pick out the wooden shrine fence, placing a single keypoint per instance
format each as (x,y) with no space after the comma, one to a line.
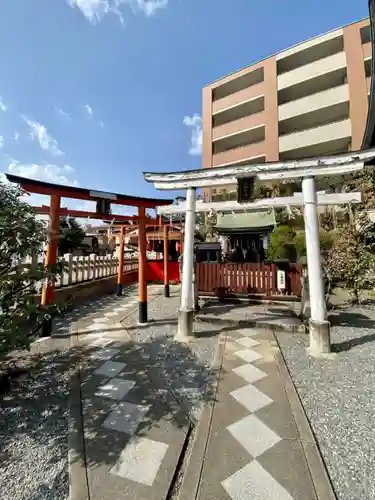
(246,279)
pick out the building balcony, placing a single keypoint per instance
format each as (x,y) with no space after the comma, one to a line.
(242,97)
(317,109)
(241,80)
(243,138)
(310,51)
(238,126)
(366,48)
(326,139)
(312,78)
(252,153)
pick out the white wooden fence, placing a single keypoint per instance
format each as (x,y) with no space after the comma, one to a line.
(78,269)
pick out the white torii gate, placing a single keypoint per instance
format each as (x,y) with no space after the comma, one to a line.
(306,169)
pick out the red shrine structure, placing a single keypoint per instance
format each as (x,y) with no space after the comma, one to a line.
(104,202)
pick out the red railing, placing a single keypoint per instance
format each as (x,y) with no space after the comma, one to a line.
(249,278)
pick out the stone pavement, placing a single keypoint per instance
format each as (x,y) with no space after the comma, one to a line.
(211,419)
(277,315)
(253,448)
(140,394)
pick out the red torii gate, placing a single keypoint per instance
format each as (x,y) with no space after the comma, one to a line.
(103,201)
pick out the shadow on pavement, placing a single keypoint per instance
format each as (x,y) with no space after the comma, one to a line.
(351,319)
(169,379)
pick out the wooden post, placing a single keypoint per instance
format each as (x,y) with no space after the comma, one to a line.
(51,258)
(120,271)
(166,252)
(142,283)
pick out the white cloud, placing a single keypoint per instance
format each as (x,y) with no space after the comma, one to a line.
(195,125)
(44,172)
(3,108)
(101,124)
(16,136)
(48,173)
(88,110)
(148,7)
(62,113)
(1,141)
(95,10)
(39,132)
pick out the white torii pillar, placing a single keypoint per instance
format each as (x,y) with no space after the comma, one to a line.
(319,330)
(186,311)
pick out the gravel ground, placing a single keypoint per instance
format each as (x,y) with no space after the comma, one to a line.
(34,431)
(339,398)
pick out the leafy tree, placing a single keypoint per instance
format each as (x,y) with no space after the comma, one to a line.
(363,181)
(351,262)
(71,235)
(282,244)
(21,236)
(325,238)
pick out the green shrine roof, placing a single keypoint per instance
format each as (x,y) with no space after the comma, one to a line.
(246,222)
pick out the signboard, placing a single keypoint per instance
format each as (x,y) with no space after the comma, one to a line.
(103,207)
(281,280)
(245,188)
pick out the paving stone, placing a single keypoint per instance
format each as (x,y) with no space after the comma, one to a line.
(126,417)
(249,372)
(110,369)
(253,435)
(140,460)
(251,398)
(252,482)
(248,355)
(115,388)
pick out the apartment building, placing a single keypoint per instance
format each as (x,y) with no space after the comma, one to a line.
(308,100)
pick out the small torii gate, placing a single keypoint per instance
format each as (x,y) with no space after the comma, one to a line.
(244,176)
(103,201)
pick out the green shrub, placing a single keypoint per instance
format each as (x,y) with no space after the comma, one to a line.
(286,243)
(282,244)
(326,241)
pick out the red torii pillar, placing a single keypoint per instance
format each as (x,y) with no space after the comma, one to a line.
(120,273)
(48,291)
(142,283)
(166,255)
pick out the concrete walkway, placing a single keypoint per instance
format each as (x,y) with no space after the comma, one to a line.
(253,448)
(217,418)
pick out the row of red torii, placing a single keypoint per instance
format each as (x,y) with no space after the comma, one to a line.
(244,176)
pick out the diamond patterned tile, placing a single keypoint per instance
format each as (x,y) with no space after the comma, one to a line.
(252,482)
(248,355)
(251,398)
(247,342)
(106,353)
(96,326)
(126,417)
(140,460)
(253,435)
(249,372)
(101,341)
(110,369)
(116,388)
(248,332)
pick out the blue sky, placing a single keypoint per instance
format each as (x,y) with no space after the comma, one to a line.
(94,92)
